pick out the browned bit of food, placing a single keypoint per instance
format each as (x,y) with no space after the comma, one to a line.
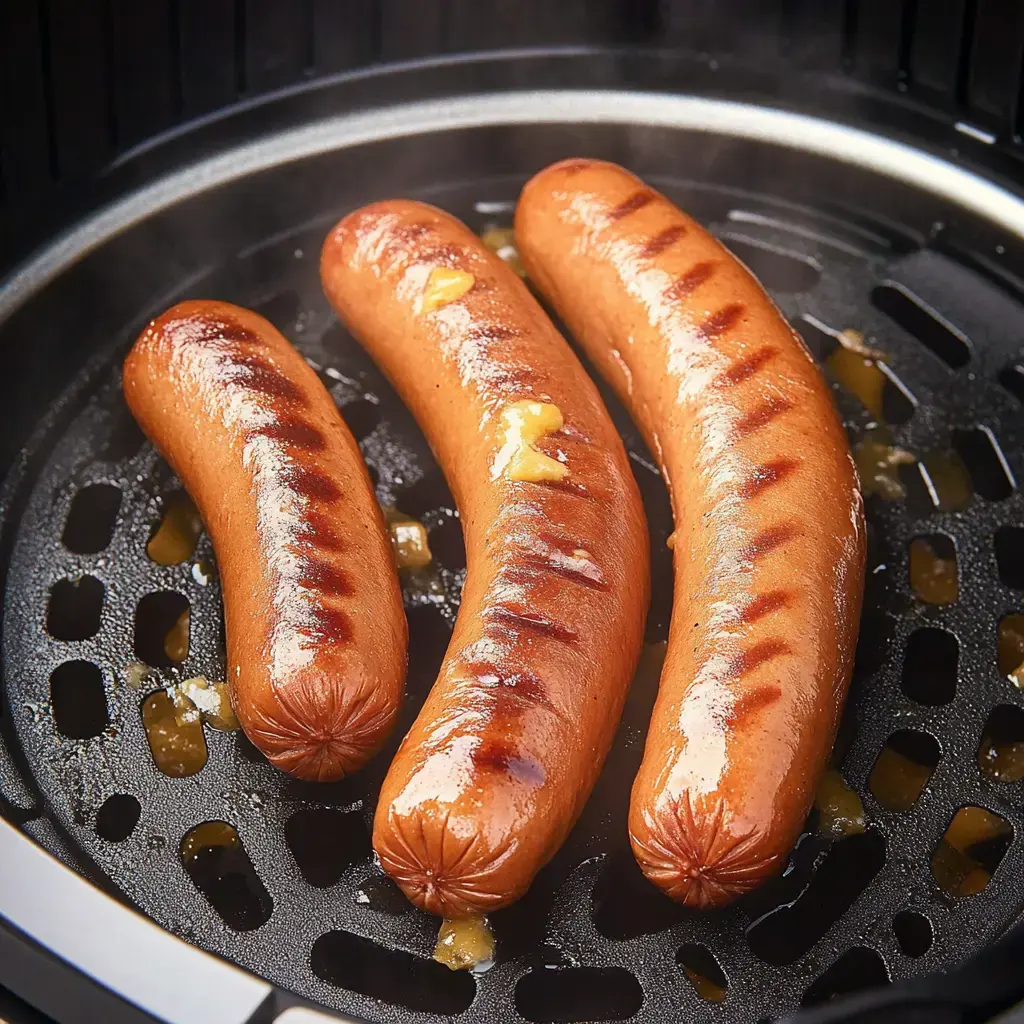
(878,462)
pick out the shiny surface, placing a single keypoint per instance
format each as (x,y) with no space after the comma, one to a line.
(315,631)
(769,543)
(510,740)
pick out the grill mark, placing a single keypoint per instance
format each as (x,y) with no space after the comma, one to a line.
(494,755)
(744,369)
(510,692)
(567,485)
(523,622)
(491,332)
(750,703)
(765,604)
(762,414)
(768,540)
(762,652)
(232,330)
(530,564)
(317,530)
(253,373)
(324,577)
(697,275)
(637,201)
(445,253)
(572,167)
(294,432)
(312,483)
(721,322)
(767,475)
(330,624)
(662,241)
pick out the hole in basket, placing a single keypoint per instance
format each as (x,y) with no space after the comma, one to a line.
(1009,545)
(73,612)
(873,384)
(903,768)
(117,818)
(787,932)
(930,666)
(1010,652)
(821,342)
(176,535)
(162,629)
(930,328)
(124,439)
(706,976)
(578,993)
(324,842)
(777,269)
(282,310)
(428,493)
(91,519)
(985,461)
(933,569)
(215,859)
(970,850)
(361,416)
(382,894)
(857,969)
(447,544)
(937,481)
(1012,378)
(1001,751)
(913,932)
(78,700)
(175,736)
(358,964)
(626,904)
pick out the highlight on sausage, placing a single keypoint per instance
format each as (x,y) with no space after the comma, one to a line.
(769,541)
(316,633)
(508,745)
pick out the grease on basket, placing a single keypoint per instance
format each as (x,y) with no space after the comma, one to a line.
(465,944)
(840,810)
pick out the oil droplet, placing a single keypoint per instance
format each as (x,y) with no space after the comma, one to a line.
(840,810)
(176,537)
(705,987)
(878,461)
(178,746)
(465,944)
(502,242)
(209,834)
(933,574)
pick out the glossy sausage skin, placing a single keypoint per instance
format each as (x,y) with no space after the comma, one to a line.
(511,738)
(316,633)
(769,540)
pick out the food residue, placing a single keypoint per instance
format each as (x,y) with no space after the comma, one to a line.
(178,746)
(204,700)
(444,286)
(1011,649)
(859,374)
(962,861)
(525,424)
(135,673)
(896,781)
(176,640)
(177,535)
(408,540)
(933,574)
(840,811)
(502,242)
(465,944)
(878,461)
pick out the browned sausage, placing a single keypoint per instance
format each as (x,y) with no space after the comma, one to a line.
(510,740)
(769,540)
(315,629)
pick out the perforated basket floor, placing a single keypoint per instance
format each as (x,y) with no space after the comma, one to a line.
(307,908)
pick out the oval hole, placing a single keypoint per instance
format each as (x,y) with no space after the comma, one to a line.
(1010,650)
(627,905)
(73,611)
(779,270)
(934,575)
(857,969)
(324,842)
(91,519)
(917,318)
(361,417)
(1001,751)
(447,544)
(903,768)
(819,339)
(428,493)
(399,978)
(913,932)
(175,736)
(704,972)
(215,859)
(162,629)
(78,700)
(175,537)
(985,461)
(117,818)
(282,310)
(568,994)
(784,934)
(970,850)
(930,666)
(1009,545)
(1012,378)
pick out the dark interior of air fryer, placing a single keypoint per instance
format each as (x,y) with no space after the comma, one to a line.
(912,858)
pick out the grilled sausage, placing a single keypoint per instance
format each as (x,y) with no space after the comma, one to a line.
(316,633)
(511,738)
(769,541)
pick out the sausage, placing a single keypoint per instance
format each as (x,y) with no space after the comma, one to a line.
(509,742)
(769,541)
(316,633)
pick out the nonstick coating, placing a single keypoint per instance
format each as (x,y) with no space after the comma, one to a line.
(591,940)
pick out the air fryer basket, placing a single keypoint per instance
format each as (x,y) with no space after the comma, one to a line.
(840,246)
